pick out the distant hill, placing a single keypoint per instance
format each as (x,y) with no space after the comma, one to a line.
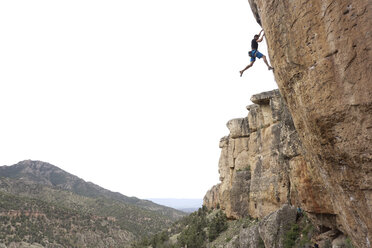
(40,200)
(185,205)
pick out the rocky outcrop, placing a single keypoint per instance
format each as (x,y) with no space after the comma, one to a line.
(249,237)
(260,164)
(273,227)
(212,197)
(321,52)
(270,232)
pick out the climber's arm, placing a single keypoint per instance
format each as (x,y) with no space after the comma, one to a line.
(259,40)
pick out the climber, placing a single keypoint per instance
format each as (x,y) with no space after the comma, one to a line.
(255,53)
(299,213)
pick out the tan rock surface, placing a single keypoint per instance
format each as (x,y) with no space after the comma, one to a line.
(259,159)
(321,52)
(273,227)
(212,199)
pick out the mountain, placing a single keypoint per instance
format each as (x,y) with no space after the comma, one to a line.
(55,203)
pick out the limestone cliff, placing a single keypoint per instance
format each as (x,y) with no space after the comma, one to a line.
(321,51)
(255,160)
(262,165)
(322,160)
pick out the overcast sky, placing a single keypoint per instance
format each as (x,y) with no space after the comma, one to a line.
(131,95)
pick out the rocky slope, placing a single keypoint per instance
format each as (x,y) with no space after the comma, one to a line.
(321,51)
(38,172)
(39,198)
(28,222)
(209,228)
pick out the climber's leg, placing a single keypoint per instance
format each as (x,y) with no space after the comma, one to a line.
(246,68)
(267,63)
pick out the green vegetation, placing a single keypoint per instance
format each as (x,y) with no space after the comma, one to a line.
(349,244)
(194,231)
(217,225)
(291,236)
(40,203)
(299,234)
(138,220)
(37,221)
(194,234)
(261,243)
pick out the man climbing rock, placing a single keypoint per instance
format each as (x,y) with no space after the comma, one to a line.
(255,53)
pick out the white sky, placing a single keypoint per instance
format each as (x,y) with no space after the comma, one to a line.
(131,95)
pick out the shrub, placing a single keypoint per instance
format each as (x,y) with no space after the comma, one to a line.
(349,244)
(217,225)
(291,236)
(261,243)
(194,235)
(159,239)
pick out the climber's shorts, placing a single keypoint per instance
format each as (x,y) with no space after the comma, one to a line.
(255,54)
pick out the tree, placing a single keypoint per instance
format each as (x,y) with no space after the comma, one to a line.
(217,225)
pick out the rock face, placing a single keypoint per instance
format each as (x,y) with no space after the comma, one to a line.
(273,227)
(269,232)
(321,52)
(264,165)
(261,165)
(250,237)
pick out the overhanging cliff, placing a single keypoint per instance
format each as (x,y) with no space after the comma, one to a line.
(321,51)
(322,160)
